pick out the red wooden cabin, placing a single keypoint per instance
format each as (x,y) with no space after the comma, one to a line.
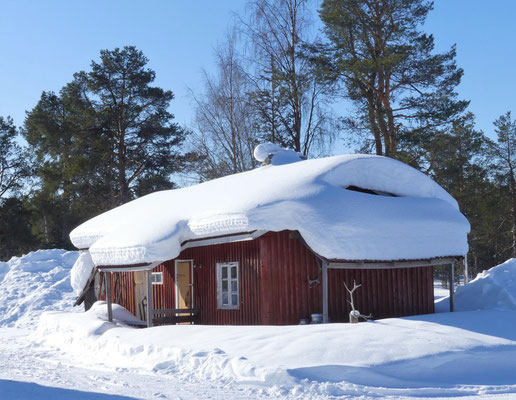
(277,244)
(278,281)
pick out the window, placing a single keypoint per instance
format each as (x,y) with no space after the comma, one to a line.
(369,191)
(157,278)
(227,286)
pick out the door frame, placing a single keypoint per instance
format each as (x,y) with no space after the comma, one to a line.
(176,288)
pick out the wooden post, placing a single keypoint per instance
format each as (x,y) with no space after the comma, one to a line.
(325,290)
(107,277)
(452,284)
(466,271)
(149,298)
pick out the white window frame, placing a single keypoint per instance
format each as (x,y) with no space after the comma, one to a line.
(230,293)
(158,276)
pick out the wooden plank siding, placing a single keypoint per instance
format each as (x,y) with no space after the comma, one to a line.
(287,265)
(384,293)
(274,273)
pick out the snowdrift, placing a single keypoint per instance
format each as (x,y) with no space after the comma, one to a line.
(36,282)
(494,289)
(420,221)
(422,353)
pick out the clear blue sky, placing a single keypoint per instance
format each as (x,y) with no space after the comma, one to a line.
(42,43)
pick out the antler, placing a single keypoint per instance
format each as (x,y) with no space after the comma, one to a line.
(350,291)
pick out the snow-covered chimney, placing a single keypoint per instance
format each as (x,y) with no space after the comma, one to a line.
(273,154)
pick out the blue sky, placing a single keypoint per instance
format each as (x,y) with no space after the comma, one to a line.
(42,43)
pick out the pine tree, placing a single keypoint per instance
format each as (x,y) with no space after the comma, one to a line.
(381,61)
(13,165)
(106,138)
(504,156)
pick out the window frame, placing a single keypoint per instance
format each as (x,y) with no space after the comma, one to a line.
(230,293)
(157,274)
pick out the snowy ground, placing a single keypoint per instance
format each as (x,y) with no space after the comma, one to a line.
(463,355)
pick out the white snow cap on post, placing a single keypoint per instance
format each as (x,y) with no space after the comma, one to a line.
(274,154)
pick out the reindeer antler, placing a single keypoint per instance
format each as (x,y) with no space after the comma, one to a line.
(350,291)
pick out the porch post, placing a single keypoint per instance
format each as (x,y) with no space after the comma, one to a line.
(149,298)
(466,270)
(325,290)
(107,277)
(452,284)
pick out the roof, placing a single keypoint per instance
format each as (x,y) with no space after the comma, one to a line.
(421,221)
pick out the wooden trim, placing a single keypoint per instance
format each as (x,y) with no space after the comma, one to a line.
(229,238)
(129,268)
(392,264)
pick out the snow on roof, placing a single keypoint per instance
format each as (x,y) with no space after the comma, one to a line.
(421,221)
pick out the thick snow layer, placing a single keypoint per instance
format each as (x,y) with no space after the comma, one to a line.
(494,289)
(308,196)
(34,283)
(428,356)
(81,271)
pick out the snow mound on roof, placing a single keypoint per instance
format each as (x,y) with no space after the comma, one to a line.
(307,196)
(494,289)
(276,155)
(33,283)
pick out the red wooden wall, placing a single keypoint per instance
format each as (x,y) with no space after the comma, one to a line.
(274,275)
(287,265)
(384,292)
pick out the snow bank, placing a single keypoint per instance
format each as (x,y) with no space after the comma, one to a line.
(309,196)
(420,352)
(494,289)
(34,283)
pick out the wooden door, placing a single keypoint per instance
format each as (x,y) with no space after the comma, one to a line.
(184,284)
(140,299)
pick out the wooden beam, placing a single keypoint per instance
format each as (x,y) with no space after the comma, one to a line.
(390,264)
(324,268)
(175,311)
(107,277)
(149,298)
(452,285)
(466,270)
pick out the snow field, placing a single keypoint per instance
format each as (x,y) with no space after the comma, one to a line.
(466,355)
(445,354)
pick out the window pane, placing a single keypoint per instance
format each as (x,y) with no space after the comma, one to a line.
(234,272)
(234,299)
(225,299)
(224,286)
(224,272)
(234,286)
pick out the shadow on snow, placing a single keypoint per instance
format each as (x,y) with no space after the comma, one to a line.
(15,390)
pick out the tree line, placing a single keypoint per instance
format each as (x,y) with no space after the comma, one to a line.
(108,136)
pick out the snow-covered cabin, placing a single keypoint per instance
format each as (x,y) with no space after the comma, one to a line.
(276,244)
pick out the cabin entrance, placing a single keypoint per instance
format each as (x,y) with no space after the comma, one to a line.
(140,296)
(184,284)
